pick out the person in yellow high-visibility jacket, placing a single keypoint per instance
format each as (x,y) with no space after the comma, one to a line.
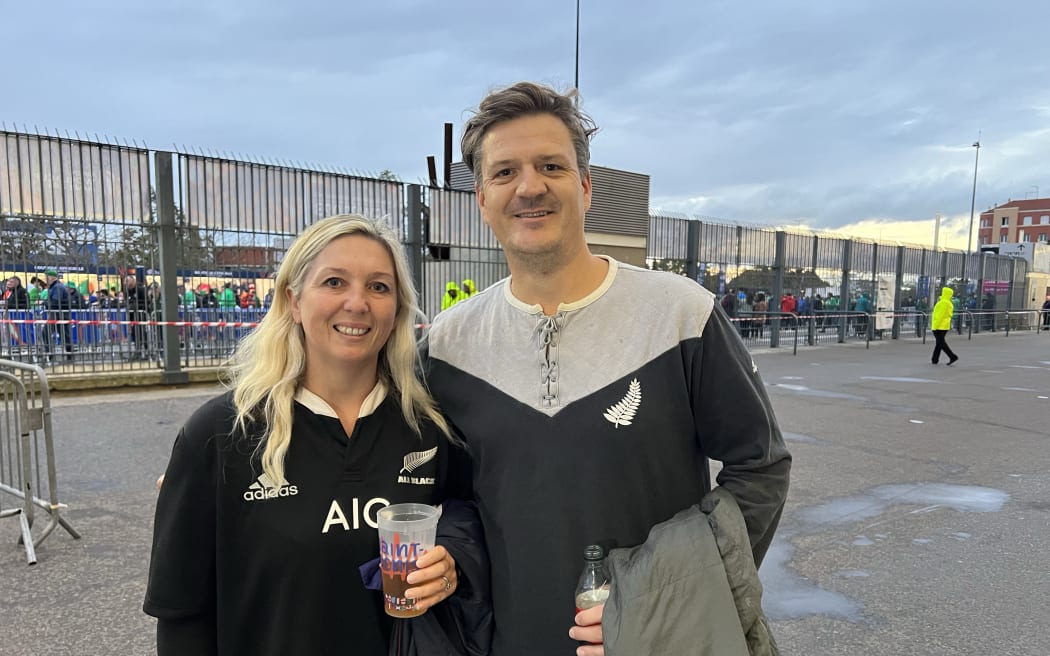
(469,288)
(453,295)
(942,323)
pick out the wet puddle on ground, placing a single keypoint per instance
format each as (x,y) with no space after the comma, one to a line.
(791,596)
(964,498)
(901,379)
(806,391)
(799,437)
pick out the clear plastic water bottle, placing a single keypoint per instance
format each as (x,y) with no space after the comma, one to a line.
(593,588)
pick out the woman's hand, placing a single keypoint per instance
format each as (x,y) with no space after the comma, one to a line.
(435,580)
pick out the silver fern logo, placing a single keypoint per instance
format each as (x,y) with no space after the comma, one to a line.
(418,458)
(623,412)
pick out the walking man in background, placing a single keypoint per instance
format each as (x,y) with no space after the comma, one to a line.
(942,323)
(59,304)
(593,395)
(137,306)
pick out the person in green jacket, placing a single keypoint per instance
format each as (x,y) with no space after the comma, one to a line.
(227,306)
(228,299)
(942,323)
(37,292)
(453,295)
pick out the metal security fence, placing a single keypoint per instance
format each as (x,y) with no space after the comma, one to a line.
(84,210)
(27,455)
(459,249)
(205,235)
(833,287)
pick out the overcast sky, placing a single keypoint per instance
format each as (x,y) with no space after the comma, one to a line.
(843,115)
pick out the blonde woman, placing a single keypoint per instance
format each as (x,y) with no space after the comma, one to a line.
(270,498)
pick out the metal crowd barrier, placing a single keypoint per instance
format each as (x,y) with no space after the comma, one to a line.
(1003,320)
(763,329)
(27,453)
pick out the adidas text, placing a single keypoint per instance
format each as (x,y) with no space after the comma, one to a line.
(271,493)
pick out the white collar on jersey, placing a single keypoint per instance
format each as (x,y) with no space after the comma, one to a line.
(607,282)
(319,406)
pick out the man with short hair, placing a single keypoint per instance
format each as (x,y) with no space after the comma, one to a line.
(594,392)
(59,305)
(138,312)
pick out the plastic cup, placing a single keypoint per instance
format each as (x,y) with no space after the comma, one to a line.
(406,532)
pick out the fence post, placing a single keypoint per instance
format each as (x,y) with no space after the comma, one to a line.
(898,280)
(847,255)
(779,254)
(414,239)
(692,250)
(943,277)
(982,265)
(1012,289)
(168,273)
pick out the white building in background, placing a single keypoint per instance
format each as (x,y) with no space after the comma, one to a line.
(1037,254)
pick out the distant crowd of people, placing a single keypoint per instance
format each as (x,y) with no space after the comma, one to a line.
(752,310)
(51,293)
(232,296)
(136,300)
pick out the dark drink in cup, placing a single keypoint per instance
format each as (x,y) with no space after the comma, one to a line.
(406,532)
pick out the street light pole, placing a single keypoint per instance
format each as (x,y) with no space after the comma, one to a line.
(973,198)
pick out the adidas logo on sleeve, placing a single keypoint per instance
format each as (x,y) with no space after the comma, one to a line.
(264,488)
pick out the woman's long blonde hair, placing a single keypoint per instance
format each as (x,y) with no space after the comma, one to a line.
(269,364)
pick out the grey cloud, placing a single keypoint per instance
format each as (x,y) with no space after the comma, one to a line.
(770,111)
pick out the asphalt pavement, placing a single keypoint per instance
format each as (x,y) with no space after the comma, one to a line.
(916,522)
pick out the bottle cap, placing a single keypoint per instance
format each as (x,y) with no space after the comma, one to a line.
(594,552)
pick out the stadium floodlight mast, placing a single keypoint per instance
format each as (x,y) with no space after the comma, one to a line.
(576,79)
(973,198)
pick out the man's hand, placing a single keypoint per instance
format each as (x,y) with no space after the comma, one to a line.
(589,629)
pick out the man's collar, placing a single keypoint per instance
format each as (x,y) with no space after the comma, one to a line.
(594,295)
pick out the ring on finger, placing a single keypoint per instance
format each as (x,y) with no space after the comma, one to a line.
(448,583)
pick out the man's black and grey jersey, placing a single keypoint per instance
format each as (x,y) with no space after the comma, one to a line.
(593,424)
(273,566)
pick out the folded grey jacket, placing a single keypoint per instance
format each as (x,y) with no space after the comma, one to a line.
(690,588)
